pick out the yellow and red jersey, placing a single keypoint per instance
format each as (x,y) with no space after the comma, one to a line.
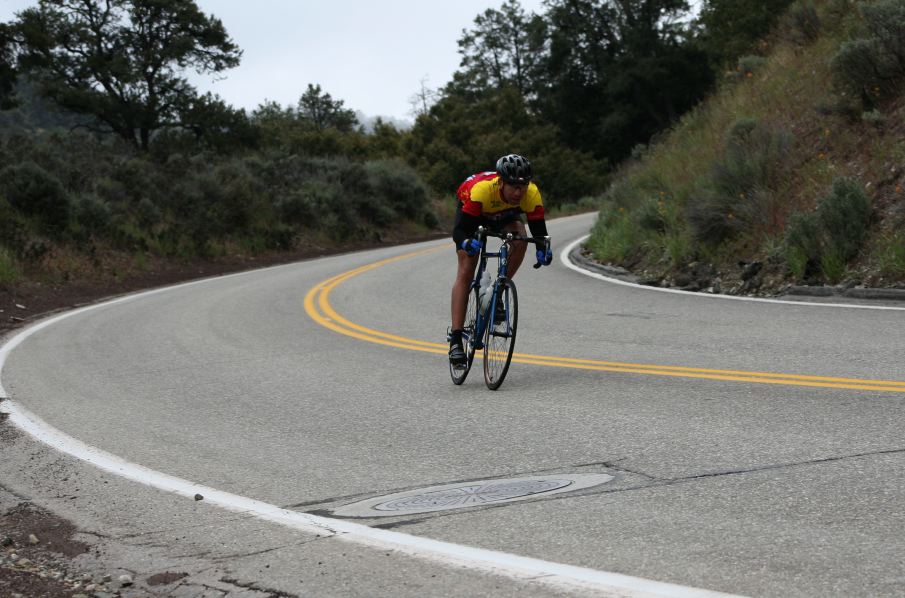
(480,196)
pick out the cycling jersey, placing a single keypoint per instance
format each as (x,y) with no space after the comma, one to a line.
(481,203)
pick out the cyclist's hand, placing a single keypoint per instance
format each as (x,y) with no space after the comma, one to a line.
(471,246)
(544,258)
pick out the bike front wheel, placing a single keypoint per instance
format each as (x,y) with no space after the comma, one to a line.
(458,372)
(499,339)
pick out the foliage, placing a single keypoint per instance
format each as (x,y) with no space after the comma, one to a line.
(120,62)
(617,73)
(10,269)
(504,49)
(37,193)
(204,204)
(743,192)
(732,27)
(318,126)
(7,68)
(872,65)
(321,111)
(890,254)
(829,237)
(803,22)
(459,137)
(748,65)
(616,236)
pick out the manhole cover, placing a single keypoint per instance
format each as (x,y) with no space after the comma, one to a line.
(469,494)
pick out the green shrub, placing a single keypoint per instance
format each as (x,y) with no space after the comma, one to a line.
(13,228)
(844,214)
(748,65)
(299,206)
(803,22)
(678,247)
(890,254)
(36,192)
(616,236)
(398,186)
(797,262)
(10,270)
(147,213)
(832,235)
(872,66)
(832,265)
(91,215)
(743,190)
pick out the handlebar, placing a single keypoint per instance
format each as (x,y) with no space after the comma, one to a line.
(539,242)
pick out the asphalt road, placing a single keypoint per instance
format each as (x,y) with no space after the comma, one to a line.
(755,448)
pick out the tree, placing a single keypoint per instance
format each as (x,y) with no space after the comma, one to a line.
(503,49)
(618,71)
(7,69)
(731,27)
(121,61)
(423,99)
(322,111)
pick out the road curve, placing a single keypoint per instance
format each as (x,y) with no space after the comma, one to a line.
(754,447)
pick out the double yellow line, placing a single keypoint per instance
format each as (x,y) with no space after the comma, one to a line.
(317,305)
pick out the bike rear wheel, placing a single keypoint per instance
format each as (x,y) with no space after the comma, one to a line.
(499,339)
(458,372)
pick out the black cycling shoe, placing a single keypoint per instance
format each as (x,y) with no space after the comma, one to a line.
(457,355)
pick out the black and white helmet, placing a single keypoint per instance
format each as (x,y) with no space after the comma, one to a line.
(514,169)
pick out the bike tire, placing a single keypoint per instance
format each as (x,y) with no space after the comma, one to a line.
(499,339)
(458,373)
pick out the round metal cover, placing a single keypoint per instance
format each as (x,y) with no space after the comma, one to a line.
(469,494)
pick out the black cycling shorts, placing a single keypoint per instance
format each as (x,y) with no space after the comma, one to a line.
(493,224)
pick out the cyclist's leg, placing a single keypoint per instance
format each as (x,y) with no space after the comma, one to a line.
(517,249)
(461,287)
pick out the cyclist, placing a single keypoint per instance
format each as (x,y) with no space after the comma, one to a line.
(495,200)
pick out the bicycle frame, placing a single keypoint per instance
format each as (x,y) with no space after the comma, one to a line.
(486,315)
(503,255)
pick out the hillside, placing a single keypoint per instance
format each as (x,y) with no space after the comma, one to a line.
(790,173)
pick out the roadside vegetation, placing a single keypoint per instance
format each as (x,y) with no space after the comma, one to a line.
(790,173)
(762,131)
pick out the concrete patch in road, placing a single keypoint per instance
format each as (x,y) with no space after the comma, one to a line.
(469,494)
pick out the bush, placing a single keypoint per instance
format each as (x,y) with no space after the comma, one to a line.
(13,228)
(831,236)
(298,207)
(872,66)
(890,254)
(803,22)
(10,270)
(91,216)
(743,190)
(616,237)
(35,192)
(398,187)
(748,65)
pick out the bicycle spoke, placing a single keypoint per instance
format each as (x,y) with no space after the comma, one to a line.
(500,337)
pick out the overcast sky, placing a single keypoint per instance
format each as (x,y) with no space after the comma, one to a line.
(372,55)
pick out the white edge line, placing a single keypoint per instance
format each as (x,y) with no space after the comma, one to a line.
(564,256)
(447,553)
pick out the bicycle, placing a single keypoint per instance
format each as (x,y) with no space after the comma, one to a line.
(488,326)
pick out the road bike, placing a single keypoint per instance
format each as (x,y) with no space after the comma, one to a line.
(491,318)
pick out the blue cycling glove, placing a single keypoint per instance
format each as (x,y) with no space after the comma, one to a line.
(471,246)
(544,258)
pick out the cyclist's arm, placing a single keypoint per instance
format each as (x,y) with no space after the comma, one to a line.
(536,222)
(538,228)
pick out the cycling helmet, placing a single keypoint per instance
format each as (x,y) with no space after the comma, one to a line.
(514,169)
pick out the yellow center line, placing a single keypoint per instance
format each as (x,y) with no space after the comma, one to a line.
(318,307)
